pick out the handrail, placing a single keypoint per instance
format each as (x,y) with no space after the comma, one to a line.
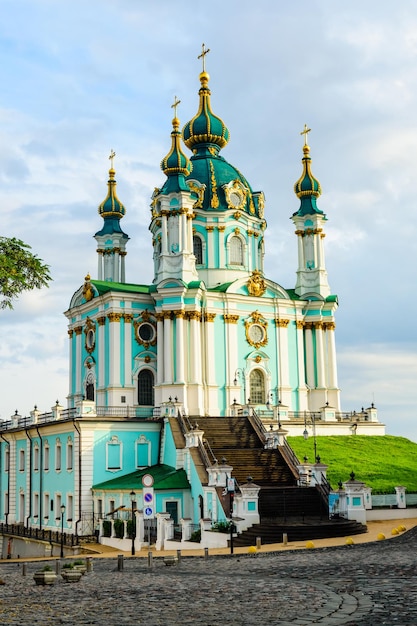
(290,457)
(257,425)
(43,534)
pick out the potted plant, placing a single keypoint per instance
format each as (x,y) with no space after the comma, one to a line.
(45,576)
(80,565)
(70,574)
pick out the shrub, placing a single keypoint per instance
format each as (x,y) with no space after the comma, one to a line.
(130,526)
(107,528)
(221,527)
(68,566)
(119,528)
(47,568)
(196,536)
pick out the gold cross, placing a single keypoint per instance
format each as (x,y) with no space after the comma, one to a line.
(305,133)
(111,157)
(203,56)
(174,106)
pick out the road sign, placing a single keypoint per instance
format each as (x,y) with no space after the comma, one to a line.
(148,503)
(147,480)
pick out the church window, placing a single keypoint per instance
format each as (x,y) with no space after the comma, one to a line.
(143,452)
(46,457)
(89,391)
(6,459)
(236,251)
(46,505)
(70,508)
(58,455)
(198,249)
(257,387)
(36,458)
(70,454)
(35,505)
(114,454)
(22,460)
(145,388)
(146,332)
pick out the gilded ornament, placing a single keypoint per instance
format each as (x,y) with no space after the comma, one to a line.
(300,324)
(114,317)
(256,285)
(237,215)
(209,229)
(256,330)
(101,320)
(214,197)
(147,359)
(209,317)
(258,358)
(329,325)
(237,230)
(318,325)
(180,314)
(128,317)
(78,330)
(261,204)
(221,228)
(230,319)
(251,206)
(70,333)
(281,323)
(88,291)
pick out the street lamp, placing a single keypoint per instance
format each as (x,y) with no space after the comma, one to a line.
(132,500)
(62,530)
(239,373)
(305,433)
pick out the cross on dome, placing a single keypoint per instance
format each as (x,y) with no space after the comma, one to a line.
(204,51)
(111,157)
(305,133)
(174,105)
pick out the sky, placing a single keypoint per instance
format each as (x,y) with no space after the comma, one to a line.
(82,78)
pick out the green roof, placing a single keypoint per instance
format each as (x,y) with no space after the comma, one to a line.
(103,286)
(164,476)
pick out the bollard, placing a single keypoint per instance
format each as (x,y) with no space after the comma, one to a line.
(24,569)
(150,559)
(57,567)
(284,538)
(178,556)
(205,554)
(258,543)
(120,562)
(89,564)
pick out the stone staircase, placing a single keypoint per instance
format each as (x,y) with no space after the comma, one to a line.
(300,512)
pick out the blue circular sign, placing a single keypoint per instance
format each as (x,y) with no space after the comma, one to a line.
(148,497)
(148,511)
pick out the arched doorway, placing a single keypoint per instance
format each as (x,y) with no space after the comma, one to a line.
(145,388)
(257,387)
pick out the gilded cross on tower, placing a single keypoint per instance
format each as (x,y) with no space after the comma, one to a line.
(111,157)
(305,133)
(174,106)
(204,51)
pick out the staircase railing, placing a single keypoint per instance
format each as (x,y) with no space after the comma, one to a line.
(290,457)
(257,424)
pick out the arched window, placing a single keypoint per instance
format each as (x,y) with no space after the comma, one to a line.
(89,387)
(198,249)
(257,387)
(261,256)
(236,251)
(145,388)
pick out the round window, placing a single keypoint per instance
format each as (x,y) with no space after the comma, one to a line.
(146,332)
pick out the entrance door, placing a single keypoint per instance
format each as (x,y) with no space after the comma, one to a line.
(172,509)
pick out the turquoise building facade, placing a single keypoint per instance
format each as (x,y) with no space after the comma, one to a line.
(210,336)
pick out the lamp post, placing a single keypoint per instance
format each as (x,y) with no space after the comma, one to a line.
(132,500)
(62,530)
(239,373)
(305,433)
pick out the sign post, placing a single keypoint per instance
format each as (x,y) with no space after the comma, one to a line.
(148,501)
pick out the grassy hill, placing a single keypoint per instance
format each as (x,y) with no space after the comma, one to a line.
(381,462)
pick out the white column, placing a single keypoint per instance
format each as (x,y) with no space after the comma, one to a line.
(164,242)
(303,404)
(311,382)
(167,348)
(299,234)
(101,353)
(321,380)
(222,254)
(195,347)
(183,231)
(283,363)
(331,356)
(100,265)
(210,344)
(116,271)
(122,267)
(114,349)
(128,317)
(179,352)
(160,349)
(210,246)
(78,354)
(232,363)
(250,249)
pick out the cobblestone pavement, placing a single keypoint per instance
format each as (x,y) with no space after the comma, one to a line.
(360,585)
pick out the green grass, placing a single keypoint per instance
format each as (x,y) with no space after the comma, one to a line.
(381,462)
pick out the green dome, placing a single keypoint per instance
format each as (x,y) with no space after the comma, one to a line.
(307,188)
(111,207)
(220,186)
(205,127)
(175,161)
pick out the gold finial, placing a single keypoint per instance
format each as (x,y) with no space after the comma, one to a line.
(111,157)
(204,51)
(305,133)
(174,106)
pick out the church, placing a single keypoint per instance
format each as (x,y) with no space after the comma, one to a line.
(210,337)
